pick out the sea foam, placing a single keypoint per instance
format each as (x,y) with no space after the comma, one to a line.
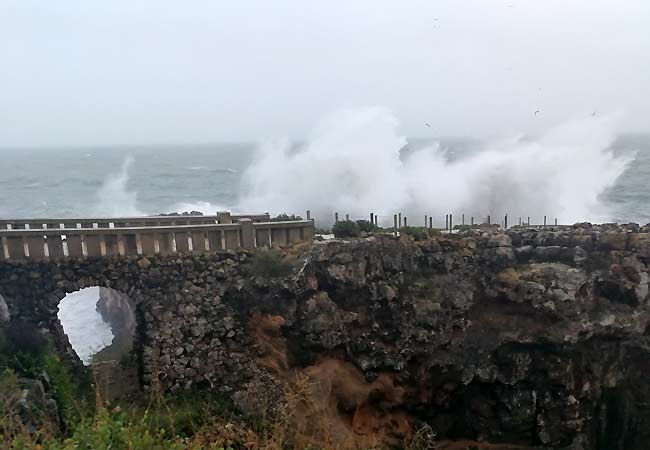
(353,163)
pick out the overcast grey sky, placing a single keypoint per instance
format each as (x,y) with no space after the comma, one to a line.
(158,71)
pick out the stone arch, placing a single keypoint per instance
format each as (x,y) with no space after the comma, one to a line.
(33,291)
(186,329)
(99,323)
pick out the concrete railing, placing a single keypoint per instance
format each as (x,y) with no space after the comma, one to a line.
(122,222)
(81,242)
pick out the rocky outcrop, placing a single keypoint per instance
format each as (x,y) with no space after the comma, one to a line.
(119,312)
(525,339)
(531,338)
(4,311)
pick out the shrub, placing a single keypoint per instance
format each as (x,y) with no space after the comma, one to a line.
(420,234)
(115,431)
(284,217)
(270,264)
(346,228)
(28,353)
(365,225)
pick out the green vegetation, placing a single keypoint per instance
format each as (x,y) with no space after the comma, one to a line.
(269,264)
(284,217)
(366,226)
(26,353)
(346,228)
(418,233)
(187,420)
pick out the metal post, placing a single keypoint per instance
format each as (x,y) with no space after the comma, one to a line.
(400,220)
(375,220)
(545,221)
(446,222)
(395,229)
(405,223)
(529,221)
(426,220)
(308,215)
(372,219)
(520,221)
(488,220)
(336,217)
(451,223)
(505,222)
(556,222)
(347,217)
(463,219)
(430,222)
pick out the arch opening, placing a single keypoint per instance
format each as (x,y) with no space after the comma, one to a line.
(99,323)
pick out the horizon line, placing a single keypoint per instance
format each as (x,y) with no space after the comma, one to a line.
(234,142)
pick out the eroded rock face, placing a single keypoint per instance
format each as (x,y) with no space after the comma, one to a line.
(4,311)
(530,339)
(546,351)
(118,311)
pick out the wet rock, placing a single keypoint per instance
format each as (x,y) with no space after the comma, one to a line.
(4,311)
(499,240)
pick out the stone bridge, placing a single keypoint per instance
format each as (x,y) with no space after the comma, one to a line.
(175,270)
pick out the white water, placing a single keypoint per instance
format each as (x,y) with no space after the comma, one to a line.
(84,326)
(204,207)
(352,164)
(113,198)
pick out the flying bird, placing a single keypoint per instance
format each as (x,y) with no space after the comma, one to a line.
(428,125)
(537,112)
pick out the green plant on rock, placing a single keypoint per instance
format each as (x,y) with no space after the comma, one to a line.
(284,217)
(28,353)
(418,233)
(115,432)
(346,228)
(270,264)
(366,226)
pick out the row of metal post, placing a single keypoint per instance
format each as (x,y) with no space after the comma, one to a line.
(400,220)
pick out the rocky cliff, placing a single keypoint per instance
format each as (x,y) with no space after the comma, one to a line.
(535,338)
(525,339)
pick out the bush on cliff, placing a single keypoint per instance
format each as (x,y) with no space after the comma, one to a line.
(270,264)
(28,354)
(346,228)
(365,225)
(418,233)
(284,217)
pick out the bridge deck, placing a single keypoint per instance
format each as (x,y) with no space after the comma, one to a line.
(113,236)
(120,222)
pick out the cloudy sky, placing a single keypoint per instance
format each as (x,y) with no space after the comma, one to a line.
(158,71)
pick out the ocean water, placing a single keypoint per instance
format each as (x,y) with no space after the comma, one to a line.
(84,326)
(105,181)
(353,162)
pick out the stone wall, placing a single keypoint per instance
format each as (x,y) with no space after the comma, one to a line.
(535,338)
